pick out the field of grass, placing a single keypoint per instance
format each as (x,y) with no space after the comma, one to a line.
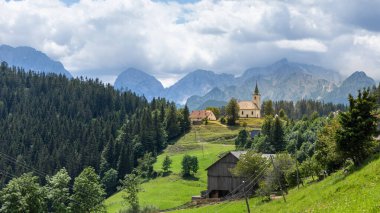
(252,123)
(204,141)
(358,192)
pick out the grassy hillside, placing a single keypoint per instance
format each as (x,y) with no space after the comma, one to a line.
(358,192)
(206,142)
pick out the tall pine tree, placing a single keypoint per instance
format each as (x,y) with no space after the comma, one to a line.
(358,127)
(185,121)
(232,111)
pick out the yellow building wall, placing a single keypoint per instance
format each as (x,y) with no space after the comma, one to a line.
(249,113)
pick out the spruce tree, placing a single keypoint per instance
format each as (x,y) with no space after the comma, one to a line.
(166,164)
(278,140)
(242,140)
(172,127)
(358,127)
(185,121)
(268,108)
(232,111)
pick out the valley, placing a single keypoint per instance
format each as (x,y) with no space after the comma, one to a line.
(207,142)
(189,106)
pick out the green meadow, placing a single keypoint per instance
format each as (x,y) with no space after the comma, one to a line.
(357,192)
(206,142)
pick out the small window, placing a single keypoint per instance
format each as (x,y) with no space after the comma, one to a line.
(242,112)
(252,113)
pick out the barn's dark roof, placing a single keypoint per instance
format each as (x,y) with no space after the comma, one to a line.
(237,154)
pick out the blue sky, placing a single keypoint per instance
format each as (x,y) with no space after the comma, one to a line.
(70,1)
(168,40)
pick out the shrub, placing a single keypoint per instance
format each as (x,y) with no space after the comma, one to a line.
(189,165)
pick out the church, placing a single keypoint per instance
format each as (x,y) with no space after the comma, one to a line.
(251,109)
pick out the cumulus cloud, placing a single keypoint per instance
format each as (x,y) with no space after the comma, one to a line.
(310,45)
(169,39)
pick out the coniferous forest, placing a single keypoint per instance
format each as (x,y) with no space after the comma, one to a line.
(48,122)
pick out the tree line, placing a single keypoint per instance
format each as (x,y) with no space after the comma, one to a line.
(299,109)
(293,110)
(48,122)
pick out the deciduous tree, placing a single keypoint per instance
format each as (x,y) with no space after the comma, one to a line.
(88,193)
(58,191)
(131,187)
(23,194)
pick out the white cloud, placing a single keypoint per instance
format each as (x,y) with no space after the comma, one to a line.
(310,45)
(102,38)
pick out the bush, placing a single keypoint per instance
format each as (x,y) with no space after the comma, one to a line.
(146,209)
(291,177)
(222,120)
(189,165)
(349,166)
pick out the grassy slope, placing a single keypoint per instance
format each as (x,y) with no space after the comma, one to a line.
(358,192)
(173,190)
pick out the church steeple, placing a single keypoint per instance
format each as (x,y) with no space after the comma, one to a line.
(256,90)
(256,98)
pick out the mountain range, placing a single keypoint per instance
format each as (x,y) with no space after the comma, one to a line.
(31,59)
(282,80)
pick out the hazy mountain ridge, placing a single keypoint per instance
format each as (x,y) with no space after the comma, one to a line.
(357,81)
(197,82)
(139,82)
(282,80)
(31,59)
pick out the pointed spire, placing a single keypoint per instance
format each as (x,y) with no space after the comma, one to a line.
(257,90)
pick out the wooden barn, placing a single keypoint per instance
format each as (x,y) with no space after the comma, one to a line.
(220,181)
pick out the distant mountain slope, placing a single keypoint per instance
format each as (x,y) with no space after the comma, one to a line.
(31,59)
(357,81)
(294,87)
(284,67)
(214,94)
(198,82)
(282,80)
(139,82)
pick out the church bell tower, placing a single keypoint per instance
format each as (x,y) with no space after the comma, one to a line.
(256,97)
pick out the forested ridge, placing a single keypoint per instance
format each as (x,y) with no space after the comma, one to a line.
(48,122)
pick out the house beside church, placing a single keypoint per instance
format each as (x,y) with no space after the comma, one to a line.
(251,109)
(197,116)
